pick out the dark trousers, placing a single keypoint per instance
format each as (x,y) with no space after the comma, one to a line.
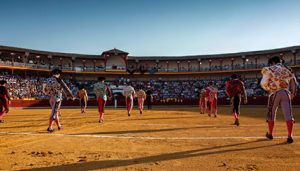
(236,104)
(3,105)
(149,102)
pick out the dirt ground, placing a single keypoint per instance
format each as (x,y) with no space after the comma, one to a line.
(178,138)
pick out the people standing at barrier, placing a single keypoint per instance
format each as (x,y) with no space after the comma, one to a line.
(129,94)
(212,98)
(103,93)
(83,98)
(202,100)
(54,87)
(149,98)
(235,90)
(115,100)
(4,100)
(141,96)
(281,84)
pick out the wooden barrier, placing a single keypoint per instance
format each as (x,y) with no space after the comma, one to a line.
(121,102)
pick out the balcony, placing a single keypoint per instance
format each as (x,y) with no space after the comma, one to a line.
(152,70)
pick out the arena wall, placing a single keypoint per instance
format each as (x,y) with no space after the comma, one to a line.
(121,102)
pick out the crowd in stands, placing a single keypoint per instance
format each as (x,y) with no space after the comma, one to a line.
(30,87)
(20,88)
(160,68)
(189,89)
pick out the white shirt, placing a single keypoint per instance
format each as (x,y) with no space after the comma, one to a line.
(128,91)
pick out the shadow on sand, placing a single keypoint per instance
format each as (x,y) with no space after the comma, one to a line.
(152,130)
(105,164)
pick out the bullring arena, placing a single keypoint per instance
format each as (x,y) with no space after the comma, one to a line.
(171,136)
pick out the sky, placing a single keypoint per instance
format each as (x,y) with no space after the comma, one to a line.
(150,27)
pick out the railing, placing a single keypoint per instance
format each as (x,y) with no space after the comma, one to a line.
(19,64)
(216,68)
(151,70)
(121,102)
(6,63)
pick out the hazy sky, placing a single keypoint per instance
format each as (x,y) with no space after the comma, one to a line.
(150,27)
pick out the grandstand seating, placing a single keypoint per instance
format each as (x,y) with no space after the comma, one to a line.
(171,78)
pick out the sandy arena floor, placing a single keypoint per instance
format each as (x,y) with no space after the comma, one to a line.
(161,139)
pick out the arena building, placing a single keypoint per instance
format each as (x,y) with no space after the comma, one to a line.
(118,65)
(116,62)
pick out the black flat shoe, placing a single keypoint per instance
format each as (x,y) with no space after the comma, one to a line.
(50,130)
(289,140)
(60,127)
(269,136)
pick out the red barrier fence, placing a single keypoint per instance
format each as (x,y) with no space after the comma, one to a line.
(121,102)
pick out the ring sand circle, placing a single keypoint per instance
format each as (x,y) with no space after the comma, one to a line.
(141,137)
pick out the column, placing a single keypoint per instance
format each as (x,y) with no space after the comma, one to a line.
(281,55)
(83,61)
(50,61)
(167,66)
(256,61)
(136,64)
(244,61)
(294,51)
(60,59)
(25,58)
(199,65)
(13,59)
(73,63)
(94,65)
(38,60)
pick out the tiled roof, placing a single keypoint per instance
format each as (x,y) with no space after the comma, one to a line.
(117,51)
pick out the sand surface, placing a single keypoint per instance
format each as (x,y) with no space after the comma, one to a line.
(161,139)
